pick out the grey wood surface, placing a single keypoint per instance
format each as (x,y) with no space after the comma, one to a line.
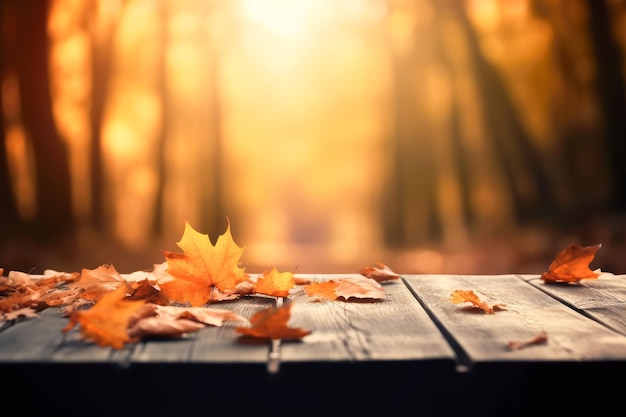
(602,299)
(363,357)
(415,322)
(484,337)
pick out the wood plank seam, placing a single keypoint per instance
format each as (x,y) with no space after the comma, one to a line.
(573,307)
(464,363)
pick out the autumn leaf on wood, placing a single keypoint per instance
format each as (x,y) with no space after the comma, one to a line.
(49,279)
(379,272)
(274,283)
(146,290)
(272,323)
(324,289)
(538,339)
(359,287)
(22,290)
(93,283)
(202,267)
(346,288)
(462,296)
(572,264)
(156,320)
(106,322)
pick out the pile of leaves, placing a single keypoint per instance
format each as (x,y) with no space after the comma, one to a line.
(177,296)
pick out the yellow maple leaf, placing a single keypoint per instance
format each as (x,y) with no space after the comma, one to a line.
(274,283)
(106,322)
(202,267)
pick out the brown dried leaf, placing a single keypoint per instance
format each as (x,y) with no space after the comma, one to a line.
(538,339)
(572,264)
(379,272)
(462,296)
(272,323)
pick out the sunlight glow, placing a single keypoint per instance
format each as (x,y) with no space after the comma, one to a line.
(21,169)
(288,18)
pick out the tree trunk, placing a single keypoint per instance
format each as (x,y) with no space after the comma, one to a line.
(612,96)
(54,218)
(509,136)
(10,221)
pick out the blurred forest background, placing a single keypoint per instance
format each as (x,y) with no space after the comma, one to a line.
(436,136)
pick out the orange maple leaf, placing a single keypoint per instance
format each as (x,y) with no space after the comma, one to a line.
(106,322)
(462,296)
(379,272)
(325,289)
(202,267)
(272,323)
(572,264)
(274,283)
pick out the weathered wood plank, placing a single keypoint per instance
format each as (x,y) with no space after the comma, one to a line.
(397,328)
(483,337)
(603,298)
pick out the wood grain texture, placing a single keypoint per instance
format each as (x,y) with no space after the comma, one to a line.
(483,337)
(396,328)
(602,299)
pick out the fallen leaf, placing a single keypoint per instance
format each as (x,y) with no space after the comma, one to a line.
(274,283)
(157,320)
(538,339)
(324,289)
(21,290)
(359,287)
(106,322)
(145,290)
(272,323)
(379,272)
(572,264)
(202,267)
(346,288)
(93,283)
(462,296)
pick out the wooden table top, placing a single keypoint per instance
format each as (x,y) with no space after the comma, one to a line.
(414,348)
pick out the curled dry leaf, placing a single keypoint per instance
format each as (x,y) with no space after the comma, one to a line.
(538,339)
(145,290)
(347,287)
(21,290)
(572,264)
(93,283)
(157,320)
(272,323)
(379,272)
(463,296)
